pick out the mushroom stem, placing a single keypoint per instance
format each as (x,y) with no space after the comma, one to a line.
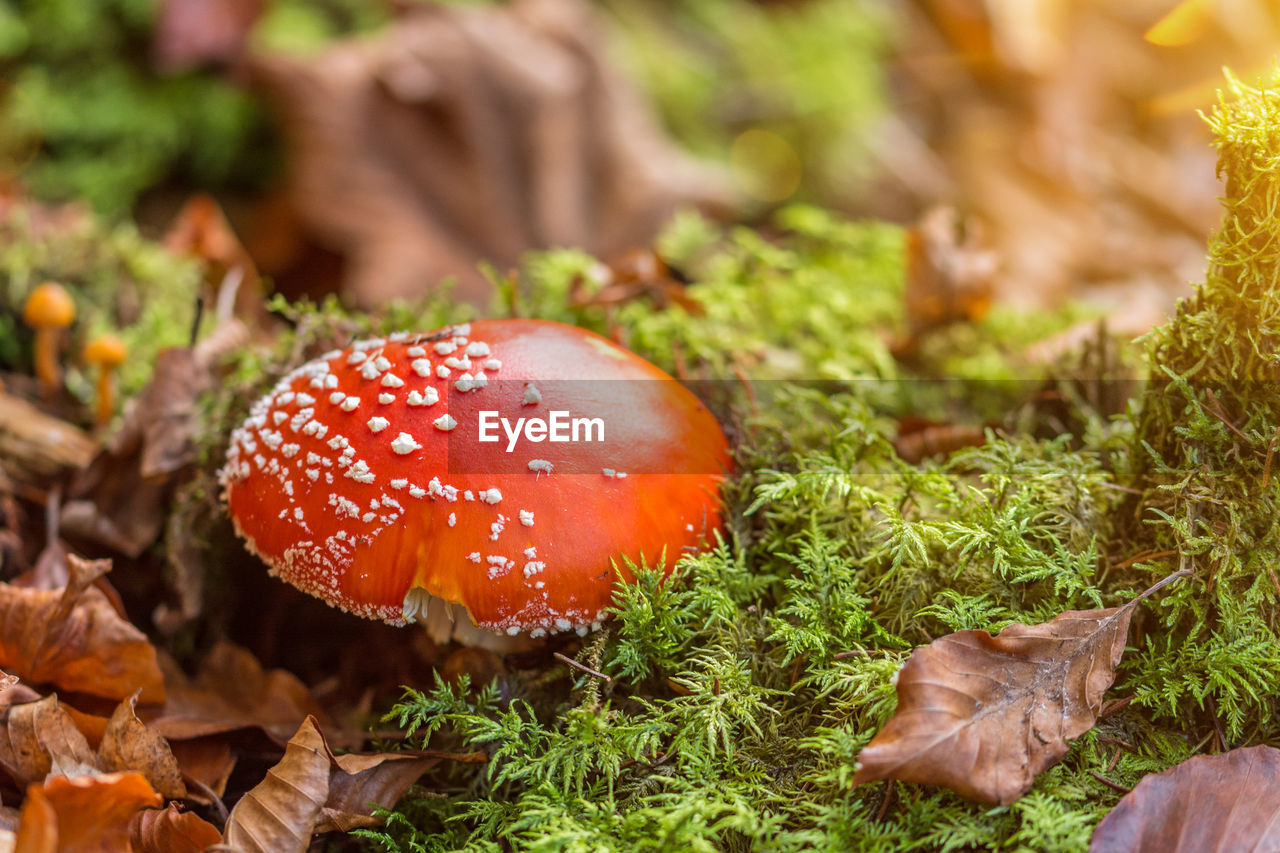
(48,371)
(105,403)
(106,352)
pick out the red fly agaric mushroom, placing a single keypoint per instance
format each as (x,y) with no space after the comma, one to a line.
(370,477)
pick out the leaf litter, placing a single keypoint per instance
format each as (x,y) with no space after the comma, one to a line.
(986,715)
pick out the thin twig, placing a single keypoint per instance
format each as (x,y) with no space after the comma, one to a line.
(1266,466)
(1143,557)
(1114,706)
(1115,786)
(1218,412)
(1184,572)
(1275,582)
(753,402)
(1217,726)
(214,800)
(1115,741)
(1120,488)
(884,805)
(582,666)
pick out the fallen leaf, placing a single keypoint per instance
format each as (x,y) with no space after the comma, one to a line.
(380,778)
(312,791)
(87,814)
(279,814)
(40,738)
(121,498)
(128,744)
(171,830)
(984,715)
(410,161)
(1222,802)
(201,230)
(232,691)
(75,639)
(919,439)
(206,764)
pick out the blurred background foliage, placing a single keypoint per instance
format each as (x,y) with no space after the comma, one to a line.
(89,111)
(86,116)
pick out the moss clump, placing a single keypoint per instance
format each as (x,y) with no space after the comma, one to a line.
(1207,428)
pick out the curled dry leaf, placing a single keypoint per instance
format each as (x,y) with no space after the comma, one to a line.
(75,639)
(358,780)
(1210,802)
(127,744)
(170,830)
(88,814)
(311,791)
(207,763)
(232,691)
(40,738)
(279,814)
(984,715)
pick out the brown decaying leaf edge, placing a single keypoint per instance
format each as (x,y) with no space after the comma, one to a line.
(984,715)
(1209,802)
(75,639)
(82,814)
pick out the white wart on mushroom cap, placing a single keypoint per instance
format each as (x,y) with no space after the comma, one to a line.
(340,477)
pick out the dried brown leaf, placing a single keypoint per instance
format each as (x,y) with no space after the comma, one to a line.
(280,813)
(121,498)
(171,830)
(949,270)
(381,778)
(409,160)
(984,715)
(127,744)
(75,639)
(40,738)
(207,763)
(232,691)
(1229,801)
(87,814)
(312,791)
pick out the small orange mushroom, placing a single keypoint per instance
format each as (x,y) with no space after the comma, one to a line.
(106,352)
(48,309)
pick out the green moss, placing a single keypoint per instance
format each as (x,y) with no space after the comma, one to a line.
(86,116)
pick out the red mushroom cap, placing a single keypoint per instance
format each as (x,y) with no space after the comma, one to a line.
(361,479)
